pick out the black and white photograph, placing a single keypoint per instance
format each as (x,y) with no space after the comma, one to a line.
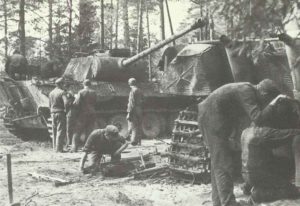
(149,102)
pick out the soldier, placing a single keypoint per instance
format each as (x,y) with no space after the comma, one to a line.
(134,112)
(58,101)
(222,117)
(71,114)
(265,171)
(99,142)
(16,64)
(86,103)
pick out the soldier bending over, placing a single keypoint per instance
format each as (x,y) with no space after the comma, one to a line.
(99,142)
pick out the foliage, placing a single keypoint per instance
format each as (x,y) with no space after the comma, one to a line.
(236,18)
(243,18)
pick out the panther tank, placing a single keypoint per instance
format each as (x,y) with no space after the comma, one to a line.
(109,74)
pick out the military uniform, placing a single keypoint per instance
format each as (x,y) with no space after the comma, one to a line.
(135,114)
(16,64)
(222,117)
(58,101)
(86,103)
(97,145)
(71,115)
(269,175)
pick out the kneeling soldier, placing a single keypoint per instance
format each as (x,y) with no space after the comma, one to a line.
(268,173)
(99,142)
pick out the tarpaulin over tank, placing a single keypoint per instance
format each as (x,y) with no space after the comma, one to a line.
(270,61)
(5,95)
(254,61)
(198,69)
(104,68)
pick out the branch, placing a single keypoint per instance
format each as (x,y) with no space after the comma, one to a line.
(43,18)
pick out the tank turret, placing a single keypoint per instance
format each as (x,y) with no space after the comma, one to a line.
(101,67)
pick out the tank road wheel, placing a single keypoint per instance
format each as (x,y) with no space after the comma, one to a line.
(120,121)
(100,123)
(153,125)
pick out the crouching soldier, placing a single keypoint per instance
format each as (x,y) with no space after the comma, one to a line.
(99,142)
(269,175)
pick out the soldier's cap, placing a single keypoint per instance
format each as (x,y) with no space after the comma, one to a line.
(268,86)
(59,80)
(132,81)
(87,82)
(111,131)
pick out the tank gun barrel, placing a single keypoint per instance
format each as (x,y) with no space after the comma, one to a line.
(198,24)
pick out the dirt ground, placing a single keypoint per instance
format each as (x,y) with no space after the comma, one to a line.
(38,157)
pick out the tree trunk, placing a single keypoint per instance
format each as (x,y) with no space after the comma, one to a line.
(126,24)
(22,28)
(50,32)
(140,26)
(162,19)
(201,29)
(212,27)
(70,4)
(58,40)
(170,20)
(232,33)
(117,25)
(5,28)
(149,45)
(207,16)
(111,24)
(102,25)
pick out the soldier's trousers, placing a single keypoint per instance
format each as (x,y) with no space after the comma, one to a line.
(59,129)
(222,167)
(85,124)
(95,156)
(269,186)
(296,151)
(135,129)
(71,124)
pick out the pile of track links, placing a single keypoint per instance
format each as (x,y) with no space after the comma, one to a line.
(189,158)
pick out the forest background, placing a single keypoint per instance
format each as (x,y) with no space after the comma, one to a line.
(59,28)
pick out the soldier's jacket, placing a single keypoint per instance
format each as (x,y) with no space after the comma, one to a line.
(135,101)
(98,143)
(230,109)
(86,101)
(57,100)
(258,144)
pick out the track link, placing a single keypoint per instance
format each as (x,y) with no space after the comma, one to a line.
(189,158)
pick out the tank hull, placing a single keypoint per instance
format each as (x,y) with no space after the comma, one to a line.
(159,109)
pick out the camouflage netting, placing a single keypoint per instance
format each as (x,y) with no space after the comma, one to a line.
(255,61)
(197,69)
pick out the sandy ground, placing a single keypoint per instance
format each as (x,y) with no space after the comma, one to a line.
(37,157)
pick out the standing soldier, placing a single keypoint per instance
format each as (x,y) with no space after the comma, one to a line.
(86,103)
(71,114)
(16,64)
(221,116)
(134,112)
(58,101)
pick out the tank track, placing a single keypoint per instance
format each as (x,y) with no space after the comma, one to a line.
(189,158)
